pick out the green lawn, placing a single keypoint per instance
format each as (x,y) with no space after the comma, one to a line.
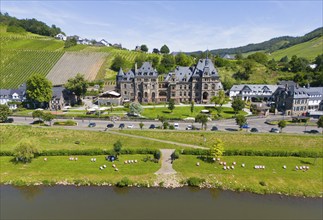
(182,112)
(61,169)
(276,179)
(239,140)
(49,138)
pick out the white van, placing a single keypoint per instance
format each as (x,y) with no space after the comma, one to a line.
(176,126)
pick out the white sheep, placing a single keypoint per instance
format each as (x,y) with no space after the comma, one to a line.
(234,163)
(126,162)
(104,166)
(116,169)
(76,158)
(197,164)
(136,161)
(284,167)
(232,167)
(101,168)
(45,159)
(296,167)
(243,165)
(113,165)
(221,163)
(224,167)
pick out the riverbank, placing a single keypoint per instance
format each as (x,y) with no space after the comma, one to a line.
(274,179)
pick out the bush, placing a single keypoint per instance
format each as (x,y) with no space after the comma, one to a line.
(124,182)
(66,123)
(175,155)
(25,152)
(195,181)
(263,183)
(157,155)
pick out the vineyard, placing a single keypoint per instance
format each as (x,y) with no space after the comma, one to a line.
(73,63)
(18,65)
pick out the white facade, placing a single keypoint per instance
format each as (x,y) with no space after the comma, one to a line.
(246,92)
(61,36)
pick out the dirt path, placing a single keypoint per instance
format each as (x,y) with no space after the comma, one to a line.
(166,176)
(167,166)
(154,139)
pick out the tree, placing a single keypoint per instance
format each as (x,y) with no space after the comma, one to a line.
(135,108)
(48,117)
(141,125)
(202,118)
(219,99)
(118,62)
(259,57)
(166,64)
(182,59)
(227,83)
(78,85)
(140,59)
(144,48)
(320,123)
(237,104)
(217,149)
(117,146)
(241,120)
(282,124)
(25,152)
(192,107)
(165,124)
(70,42)
(37,114)
(171,105)
(4,112)
(155,50)
(39,89)
(164,49)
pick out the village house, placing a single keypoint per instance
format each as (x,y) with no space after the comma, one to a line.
(253,91)
(198,83)
(61,36)
(12,97)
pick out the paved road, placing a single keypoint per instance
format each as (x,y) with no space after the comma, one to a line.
(222,125)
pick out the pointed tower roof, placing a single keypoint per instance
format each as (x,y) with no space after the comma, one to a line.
(120,73)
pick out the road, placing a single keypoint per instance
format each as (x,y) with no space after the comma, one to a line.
(222,125)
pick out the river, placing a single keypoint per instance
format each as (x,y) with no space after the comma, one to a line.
(70,202)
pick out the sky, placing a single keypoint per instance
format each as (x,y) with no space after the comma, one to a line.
(182,25)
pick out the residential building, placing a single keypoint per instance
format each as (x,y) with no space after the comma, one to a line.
(61,36)
(253,91)
(197,83)
(12,97)
(61,97)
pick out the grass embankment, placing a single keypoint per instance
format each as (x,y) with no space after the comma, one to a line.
(239,140)
(272,179)
(59,169)
(46,138)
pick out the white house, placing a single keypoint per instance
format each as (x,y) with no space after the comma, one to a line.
(10,97)
(315,98)
(249,91)
(106,43)
(61,36)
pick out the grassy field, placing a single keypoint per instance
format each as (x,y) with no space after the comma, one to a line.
(61,169)
(274,178)
(46,138)
(239,140)
(181,112)
(307,50)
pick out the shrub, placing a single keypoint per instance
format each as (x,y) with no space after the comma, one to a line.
(125,181)
(25,152)
(195,181)
(157,155)
(263,183)
(175,155)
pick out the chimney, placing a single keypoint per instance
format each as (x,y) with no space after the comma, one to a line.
(136,70)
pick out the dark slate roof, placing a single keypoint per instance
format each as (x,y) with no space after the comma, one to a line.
(182,74)
(57,91)
(205,66)
(146,70)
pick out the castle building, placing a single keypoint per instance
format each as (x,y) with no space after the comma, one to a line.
(198,83)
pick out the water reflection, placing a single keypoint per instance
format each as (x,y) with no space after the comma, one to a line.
(68,202)
(30,192)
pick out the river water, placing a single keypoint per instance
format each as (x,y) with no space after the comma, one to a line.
(69,202)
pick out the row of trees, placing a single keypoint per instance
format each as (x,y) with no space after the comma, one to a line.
(30,25)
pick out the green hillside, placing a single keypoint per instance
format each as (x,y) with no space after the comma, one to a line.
(25,53)
(307,50)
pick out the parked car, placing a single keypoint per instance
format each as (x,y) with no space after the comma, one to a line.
(246,126)
(314,132)
(189,127)
(121,126)
(214,128)
(176,126)
(92,124)
(152,126)
(254,130)
(9,120)
(110,125)
(130,126)
(274,130)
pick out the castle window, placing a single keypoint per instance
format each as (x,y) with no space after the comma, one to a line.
(213,86)
(180,94)
(205,86)
(125,86)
